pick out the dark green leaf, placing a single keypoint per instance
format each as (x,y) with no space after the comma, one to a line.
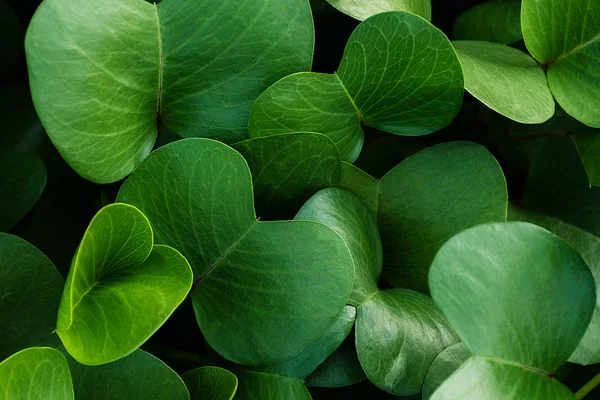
(363,185)
(259,386)
(444,365)
(210,383)
(492,21)
(587,143)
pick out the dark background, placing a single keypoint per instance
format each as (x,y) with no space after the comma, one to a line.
(58,221)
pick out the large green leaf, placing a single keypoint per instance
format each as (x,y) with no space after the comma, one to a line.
(398,332)
(36,373)
(444,365)
(121,288)
(429,198)
(31,287)
(588,246)
(564,35)
(105,74)
(317,352)
(348,217)
(139,376)
(399,74)
(507,80)
(361,10)
(210,383)
(264,290)
(493,21)
(287,169)
(255,385)
(22,181)
(543,297)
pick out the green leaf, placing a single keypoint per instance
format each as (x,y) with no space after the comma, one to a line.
(259,386)
(564,35)
(306,362)
(104,75)
(506,80)
(139,376)
(287,169)
(342,368)
(210,383)
(22,181)
(31,288)
(398,335)
(362,10)
(264,290)
(587,143)
(407,83)
(121,288)
(363,185)
(539,286)
(493,21)
(348,217)
(588,247)
(429,198)
(482,378)
(444,365)
(37,373)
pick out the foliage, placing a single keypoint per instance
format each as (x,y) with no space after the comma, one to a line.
(295,200)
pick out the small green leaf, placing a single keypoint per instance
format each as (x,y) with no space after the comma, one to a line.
(139,376)
(588,247)
(22,181)
(565,36)
(407,83)
(210,383)
(493,21)
(539,285)
(587,143)
(36,373)
(444,365)
(506,80)
(342,368)
(306,362)
(398,335)
(105,75)
(31,288)
(348,217)
(287,169)
(259,386)
(362,10)
(264,290)
(363,185)
(120,289)
(429,198)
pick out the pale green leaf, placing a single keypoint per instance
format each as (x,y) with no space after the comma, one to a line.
(361,9)
(120,289)
(493,21)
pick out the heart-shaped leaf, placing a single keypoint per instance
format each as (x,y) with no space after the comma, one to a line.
(105,75)
(398,332)
(287,169)
(506,80)
(430,197)
(121,288)
(36,373)
(364,9)
(539,286)
(493,21)
(264,290)
(390,78)
(564,35)
(444,365)
(210,383)
(31,288)
(139,376)
(22,182)
(588,246)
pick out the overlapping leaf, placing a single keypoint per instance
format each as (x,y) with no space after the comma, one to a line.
(364,9)
(544,297)
(264,290)
(105,75)
(399,74)
(493,21)
(444,365)
(564,35)
(121,287)
(210,383)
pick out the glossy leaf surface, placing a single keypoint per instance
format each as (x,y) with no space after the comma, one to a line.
(364,9)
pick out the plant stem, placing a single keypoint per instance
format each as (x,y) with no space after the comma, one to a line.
(588,387)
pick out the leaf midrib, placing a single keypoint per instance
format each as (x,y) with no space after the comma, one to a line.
(160,66)
(574,50)
(515,364)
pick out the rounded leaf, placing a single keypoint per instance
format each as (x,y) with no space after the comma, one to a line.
(444,365)
(364,9)
(493,21)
